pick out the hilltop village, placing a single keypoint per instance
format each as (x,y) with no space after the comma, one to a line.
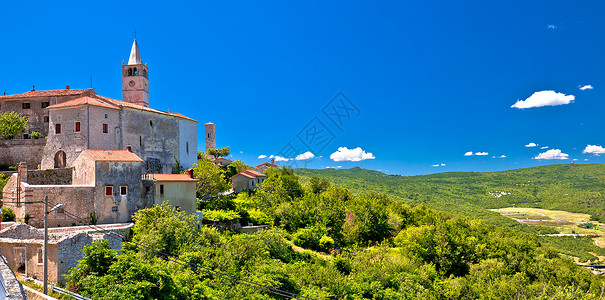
(102,160)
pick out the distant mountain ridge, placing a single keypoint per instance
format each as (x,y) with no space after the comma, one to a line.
(569,187)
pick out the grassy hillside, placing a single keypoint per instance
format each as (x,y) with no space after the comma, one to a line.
(574,188)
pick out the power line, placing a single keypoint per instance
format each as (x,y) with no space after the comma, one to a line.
(178,260)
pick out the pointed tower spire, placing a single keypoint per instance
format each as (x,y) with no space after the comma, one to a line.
(135,55)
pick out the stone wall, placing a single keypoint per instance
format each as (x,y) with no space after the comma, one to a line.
(50,176)
(70,252)
(14,289)
(12,152)
(117,208)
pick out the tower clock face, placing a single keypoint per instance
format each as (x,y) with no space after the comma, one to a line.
(131,83)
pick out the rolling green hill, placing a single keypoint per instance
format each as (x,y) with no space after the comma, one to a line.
(574,188)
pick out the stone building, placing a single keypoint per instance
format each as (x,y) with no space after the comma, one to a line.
(247,180)
(79,119)
(106,185)
(22,245)
(178,189)
(262,167)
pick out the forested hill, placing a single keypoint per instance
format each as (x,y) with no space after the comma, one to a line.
(568,187)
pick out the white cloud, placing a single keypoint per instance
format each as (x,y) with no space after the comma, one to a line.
(594,149)
(481,153)
(337,167)
(262,156)
(305,156)
(531,145)
(502,156)
(551,26)
(586,159)
(438,165)
(586,87)
(345,154)
(544,98)
(552,154)
(468,153)
(443,165)
(545,147)
(279,158)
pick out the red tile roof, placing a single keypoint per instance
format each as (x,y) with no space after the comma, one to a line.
(94,101)
(270,165)
(172,177)
(98,100)
(112,155)
(250,174)
(50,93)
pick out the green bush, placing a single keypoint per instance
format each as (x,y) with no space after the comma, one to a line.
(220,215)
(308,238)
(259,218)
(326,243)
(35,135)
(7,214)
(12,124)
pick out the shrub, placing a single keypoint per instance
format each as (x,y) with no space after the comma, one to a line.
(220,215)
(259,218)
(326,243)
(35,135)
(307,238)
(7,214)
(26,219)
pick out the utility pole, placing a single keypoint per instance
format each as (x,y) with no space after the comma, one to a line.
(45,286)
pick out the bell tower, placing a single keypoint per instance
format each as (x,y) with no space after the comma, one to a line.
(135,80)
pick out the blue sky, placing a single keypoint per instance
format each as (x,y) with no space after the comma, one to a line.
(423,83)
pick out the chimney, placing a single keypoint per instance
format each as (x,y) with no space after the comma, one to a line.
(22,171)
(67,87)
(273,161)
(33,88)
(190,173)
(129,148)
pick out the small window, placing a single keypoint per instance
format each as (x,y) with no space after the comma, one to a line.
(77,127)
(108,190)
(151,123)
(135,73)
(123,190)
(177,208)
(26,105)
(57,128)
(141,141)
(40,256)
(129,72)
(105,128)
(161,189)
(106,116)
(209,135)
(187,147)
(45,119)
(45,104)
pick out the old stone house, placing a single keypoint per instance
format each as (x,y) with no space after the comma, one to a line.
(178,189)
(262,167)
(106,184)
(77,119)
(247,180)
(22,245)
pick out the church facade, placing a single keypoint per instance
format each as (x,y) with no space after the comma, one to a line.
(73,120)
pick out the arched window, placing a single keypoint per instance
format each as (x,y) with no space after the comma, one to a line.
(135,72)
(129,72)
(60,159)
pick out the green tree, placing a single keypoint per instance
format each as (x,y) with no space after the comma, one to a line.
(12,125)
(165,229)
(217,153)
(211,181)
(318,185)
(235,167)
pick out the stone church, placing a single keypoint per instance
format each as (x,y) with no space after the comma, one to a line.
(73,120)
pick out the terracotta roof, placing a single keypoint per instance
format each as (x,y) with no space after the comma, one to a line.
(172,177)
(112,155)
(50,93)
(94,101)
(250,174)
(268,164)
(98,100)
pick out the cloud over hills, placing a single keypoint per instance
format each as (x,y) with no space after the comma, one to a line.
(552,154)
(593,149)
(346,154)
